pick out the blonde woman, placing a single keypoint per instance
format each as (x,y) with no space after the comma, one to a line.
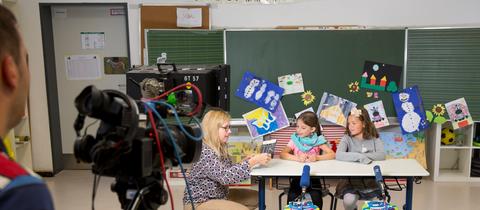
(214,171)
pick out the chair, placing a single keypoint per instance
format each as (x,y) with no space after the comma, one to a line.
(322,187)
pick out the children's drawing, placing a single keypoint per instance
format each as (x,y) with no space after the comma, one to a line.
(458,112)
(261,92)
(409,146)
(308,97)
(292,83)
(410,112)
(305,110)
(436,115)
(376,111)
(353,87)
(261,122)
(334,109)
(380,76)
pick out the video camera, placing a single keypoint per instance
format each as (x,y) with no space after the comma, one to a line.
(124,150)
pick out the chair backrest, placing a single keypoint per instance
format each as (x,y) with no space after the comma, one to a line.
(331,133)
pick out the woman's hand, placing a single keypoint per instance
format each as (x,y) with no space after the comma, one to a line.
(261,159)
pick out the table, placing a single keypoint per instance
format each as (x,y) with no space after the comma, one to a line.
(407,168)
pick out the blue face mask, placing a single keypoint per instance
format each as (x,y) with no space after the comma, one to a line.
(305,144)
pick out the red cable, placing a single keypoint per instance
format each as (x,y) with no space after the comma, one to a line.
(150,115)
(197,91)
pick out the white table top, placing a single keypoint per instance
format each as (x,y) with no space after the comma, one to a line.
(392,167)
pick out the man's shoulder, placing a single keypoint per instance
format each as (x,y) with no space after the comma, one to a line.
(12,175)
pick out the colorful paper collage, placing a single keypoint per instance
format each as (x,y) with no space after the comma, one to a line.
(458,112)
(381,77)
(334,109)
(410,112)
(292,83)
(261,122)
(261,92)
(377,114)
(409,146)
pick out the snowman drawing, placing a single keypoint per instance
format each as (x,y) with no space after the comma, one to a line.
(411,120)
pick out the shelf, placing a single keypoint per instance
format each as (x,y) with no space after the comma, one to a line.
(455,147)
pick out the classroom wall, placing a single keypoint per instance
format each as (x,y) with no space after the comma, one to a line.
(303,12)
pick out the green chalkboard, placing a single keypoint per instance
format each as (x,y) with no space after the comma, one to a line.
(185,46)
(328,61)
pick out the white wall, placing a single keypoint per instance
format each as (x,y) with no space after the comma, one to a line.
(388,13)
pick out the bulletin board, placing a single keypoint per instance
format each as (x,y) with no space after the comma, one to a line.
(165,17)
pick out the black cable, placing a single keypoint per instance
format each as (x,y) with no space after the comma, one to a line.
(96,182)
(88,126)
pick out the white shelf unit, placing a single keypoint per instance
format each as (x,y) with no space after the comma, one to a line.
(452,163)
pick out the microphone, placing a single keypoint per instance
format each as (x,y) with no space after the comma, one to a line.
(305,179)
(379,178)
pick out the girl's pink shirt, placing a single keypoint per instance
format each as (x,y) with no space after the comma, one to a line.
(314,151)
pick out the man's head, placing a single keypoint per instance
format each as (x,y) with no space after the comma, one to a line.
(14,75)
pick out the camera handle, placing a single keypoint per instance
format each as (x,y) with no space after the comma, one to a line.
(166,64)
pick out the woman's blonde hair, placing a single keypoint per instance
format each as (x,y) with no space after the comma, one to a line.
(212,121)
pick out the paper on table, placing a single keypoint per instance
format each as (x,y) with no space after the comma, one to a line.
(189,17)
(82,67)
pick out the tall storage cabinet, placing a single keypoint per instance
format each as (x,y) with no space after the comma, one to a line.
(457,162)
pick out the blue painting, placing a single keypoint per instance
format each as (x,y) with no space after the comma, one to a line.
(261,122)
(259,91)
(410,112)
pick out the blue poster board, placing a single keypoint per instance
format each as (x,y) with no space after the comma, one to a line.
(259,91)
(410,112)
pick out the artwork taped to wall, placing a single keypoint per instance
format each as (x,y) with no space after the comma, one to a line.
(261,122)
(410,112)
(115,65)
(259,91)
(309,109)
(408,146)
(380,76)
(458,112)
(376,111)
(292,83)
(334,109)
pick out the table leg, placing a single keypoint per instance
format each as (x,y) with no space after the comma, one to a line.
(409,196)
(261,193)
